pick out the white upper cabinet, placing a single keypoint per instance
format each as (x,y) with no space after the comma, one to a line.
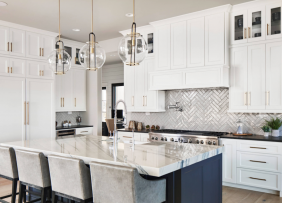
(46,72)
(196,42)
(178,45)
(214,39)
(79,89)
(239,27)
(40,70)
(4,40)
(4,66)
(274,76)
(17,42)
(256,24)
(33,49)
(273,20)
(17,67)
(129,87)
(139,89)
(163,51)
(239,78)
(47,45)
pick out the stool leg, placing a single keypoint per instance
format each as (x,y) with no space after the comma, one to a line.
(20,193)
(54,197)
(43,195)
(14,191)
(24,193)
(29,196)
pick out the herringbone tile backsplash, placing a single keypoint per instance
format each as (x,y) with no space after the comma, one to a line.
(204,110)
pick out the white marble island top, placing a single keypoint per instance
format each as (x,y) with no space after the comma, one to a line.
(152,158)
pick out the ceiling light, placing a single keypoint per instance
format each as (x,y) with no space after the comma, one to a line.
(129,15)
(3,3)
(76,30)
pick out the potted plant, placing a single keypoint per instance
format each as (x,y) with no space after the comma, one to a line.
(266,130)
(147,127)
(274,124)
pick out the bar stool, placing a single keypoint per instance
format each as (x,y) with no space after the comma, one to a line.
(121,184)
(70,178)
(9,170)
(33,172)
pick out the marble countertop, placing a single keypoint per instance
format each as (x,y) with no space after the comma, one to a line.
(150,158)
(73,126)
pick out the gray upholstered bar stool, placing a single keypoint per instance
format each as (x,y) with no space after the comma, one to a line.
(33,172)
(9,170)
(70,179)
(120,184)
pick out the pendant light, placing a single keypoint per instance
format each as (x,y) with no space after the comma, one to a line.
(91,55)
(132,48)
(59,59)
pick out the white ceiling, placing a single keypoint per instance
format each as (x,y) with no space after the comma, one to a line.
(109,14)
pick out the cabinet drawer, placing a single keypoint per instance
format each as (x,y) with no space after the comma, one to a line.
(260,147)
(84,131)
(258,179)
(129,136)
(144,137)
(256,161)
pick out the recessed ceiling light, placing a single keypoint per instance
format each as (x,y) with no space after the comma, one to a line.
(129,15)
(76,30)
(3,3)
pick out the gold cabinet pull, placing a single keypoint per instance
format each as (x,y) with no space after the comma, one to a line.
(127,137)
(245,33)
(24,113)
(257,147)
(40,73)
(43,73)
(258,161)
(75,102)
(249,99)
(8,70)
(8,46)
(11,69)
(42,51)
(249,32)
(257,179)
(132,101)
(27,113)
(267,98)
(267,29)
(11,47)
(245,98)
(84,132)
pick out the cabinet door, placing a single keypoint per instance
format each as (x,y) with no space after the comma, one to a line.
(47,45)
(33,49)
(129,85)
(196,42)
(163,48)
(178,45)
(46,72)
(239,27)
(59,94)
(229,161)
(12,108)
(239,78)
(256,23)
(67,91)
(17,39)
(273,20)
(256,77)
(17,67)
(4,40)
(79,89)
(274,76)
(40,109)
(33,69)
(139,90)
(150,97)
(4,66)
(214,39)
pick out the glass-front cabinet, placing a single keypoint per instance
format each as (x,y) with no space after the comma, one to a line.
(256,24)
(239,27)
(273,20)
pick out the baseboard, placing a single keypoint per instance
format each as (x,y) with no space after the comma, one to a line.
(251,188)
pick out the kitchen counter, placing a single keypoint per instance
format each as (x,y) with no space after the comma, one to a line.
(73,127)
(253,137)
(160,158)
(137,131)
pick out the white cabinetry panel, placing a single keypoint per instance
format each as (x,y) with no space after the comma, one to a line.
(139,83)
(178,45)
(196,42)
(46,72)
(229,161)
(33,69)
(79,89)
(4,64)
(4,40)
(214,39)
(17,39)
(253,13)
(47,45)
(33,49)
(17,67)
(129,86)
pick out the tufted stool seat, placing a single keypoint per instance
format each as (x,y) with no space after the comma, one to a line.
(121,184)
(33,172)
(70,179)
(9,170)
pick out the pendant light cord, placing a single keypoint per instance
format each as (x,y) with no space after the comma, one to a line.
(92,18)
(133,10)
(59,20)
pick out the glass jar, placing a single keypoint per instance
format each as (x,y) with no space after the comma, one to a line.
(240,127)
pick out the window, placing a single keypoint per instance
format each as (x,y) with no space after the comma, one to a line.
(104,104)
(117,94)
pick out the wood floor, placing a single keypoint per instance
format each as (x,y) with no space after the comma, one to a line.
(229,194)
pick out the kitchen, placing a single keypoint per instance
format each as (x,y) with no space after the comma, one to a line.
(201,75)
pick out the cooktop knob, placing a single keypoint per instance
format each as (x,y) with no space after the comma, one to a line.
(202,141)
(162,138)
(190,141)
(165,139)
(171,139)
(214,142)
(153,138)
(156,138)
(181,140)
(198,141)
(209,142)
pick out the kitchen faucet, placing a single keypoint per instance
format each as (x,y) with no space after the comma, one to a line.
(115,119)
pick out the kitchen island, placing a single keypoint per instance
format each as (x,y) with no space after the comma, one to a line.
(193,172)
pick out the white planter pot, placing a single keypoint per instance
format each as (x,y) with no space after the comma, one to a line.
(275,133)
(266,134)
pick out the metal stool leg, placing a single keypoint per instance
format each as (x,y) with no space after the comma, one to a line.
(14,190)
(54,197)
(21,190)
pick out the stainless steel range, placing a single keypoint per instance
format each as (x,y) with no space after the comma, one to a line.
(184,136)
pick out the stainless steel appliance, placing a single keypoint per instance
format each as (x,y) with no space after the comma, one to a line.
(66,133)
(185,136)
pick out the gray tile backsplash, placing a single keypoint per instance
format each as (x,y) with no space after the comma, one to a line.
(62,116)
(203,109)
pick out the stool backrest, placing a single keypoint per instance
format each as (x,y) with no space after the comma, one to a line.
(33,168)
(70,176)
(110,125)
(112,183)
(8,162)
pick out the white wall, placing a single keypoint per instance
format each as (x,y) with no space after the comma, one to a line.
(113,73)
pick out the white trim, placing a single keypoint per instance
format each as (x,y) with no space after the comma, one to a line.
(246,5)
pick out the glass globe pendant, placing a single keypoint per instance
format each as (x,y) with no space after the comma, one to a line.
(132,48)
(59,60)
(92,56)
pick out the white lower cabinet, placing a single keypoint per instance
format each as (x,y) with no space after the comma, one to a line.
(255,164)
(127,136)
(84,131)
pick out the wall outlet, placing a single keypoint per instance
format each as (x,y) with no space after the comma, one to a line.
(147,113)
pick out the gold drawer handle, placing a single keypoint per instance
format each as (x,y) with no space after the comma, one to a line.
(257,179)
(8,70)
(40,51)
(258,161)
(84,132)
(8,46)
(127,137)
(257,147)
